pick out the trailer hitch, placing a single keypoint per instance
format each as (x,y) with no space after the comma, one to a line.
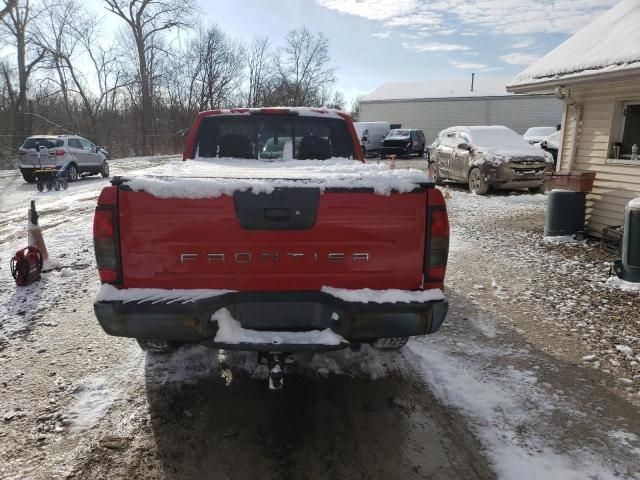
(275,362)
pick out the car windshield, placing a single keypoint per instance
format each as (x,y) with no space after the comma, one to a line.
(497,137)
(539,131)
(399,133)
(44,142)
(273,137)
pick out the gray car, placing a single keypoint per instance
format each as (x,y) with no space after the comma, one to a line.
(487,157)
(75,155)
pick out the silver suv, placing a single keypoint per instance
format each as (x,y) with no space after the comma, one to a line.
(75,155)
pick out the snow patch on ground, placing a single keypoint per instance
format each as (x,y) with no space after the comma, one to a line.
(95,395)
(565,239)
(615,282)
(366,295)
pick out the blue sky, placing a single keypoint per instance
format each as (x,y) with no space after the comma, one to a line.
(377,41)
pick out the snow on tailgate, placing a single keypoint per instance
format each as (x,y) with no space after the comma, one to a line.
(212,178)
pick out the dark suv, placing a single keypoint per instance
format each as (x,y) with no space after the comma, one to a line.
(403,141)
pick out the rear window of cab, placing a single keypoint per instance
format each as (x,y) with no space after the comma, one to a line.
(43,142)
(273,137)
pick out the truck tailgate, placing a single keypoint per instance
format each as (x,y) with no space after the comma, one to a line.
(284,240)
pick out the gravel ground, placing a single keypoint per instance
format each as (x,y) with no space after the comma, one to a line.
(553,293)
(523,381)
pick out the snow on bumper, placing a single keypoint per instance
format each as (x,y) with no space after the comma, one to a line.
(325,321)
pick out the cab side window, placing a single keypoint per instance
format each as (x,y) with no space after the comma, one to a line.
(464,138)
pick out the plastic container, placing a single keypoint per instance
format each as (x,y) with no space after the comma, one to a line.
(565,213)
(573,181)
(629,267)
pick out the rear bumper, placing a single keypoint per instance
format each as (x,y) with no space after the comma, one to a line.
(271,311)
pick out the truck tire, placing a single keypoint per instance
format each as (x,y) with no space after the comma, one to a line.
(157,346)
(477,183)
(390,343)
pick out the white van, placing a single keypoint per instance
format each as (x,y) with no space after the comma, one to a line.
(371,135)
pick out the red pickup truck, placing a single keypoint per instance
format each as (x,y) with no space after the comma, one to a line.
(272,235)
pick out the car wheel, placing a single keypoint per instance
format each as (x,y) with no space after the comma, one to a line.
(157,346)
(435,173)
(72,173)
(104,169)
(477,183)
(28,177)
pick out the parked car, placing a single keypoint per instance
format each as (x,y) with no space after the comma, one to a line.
(371,135)
(404,141)
(77,155)
(551,144)
(487,157)
(538,134)
(252,255)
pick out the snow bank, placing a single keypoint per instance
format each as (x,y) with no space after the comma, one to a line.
(230,331)
(616,282)
(211,178)
(109,293)
(366,295)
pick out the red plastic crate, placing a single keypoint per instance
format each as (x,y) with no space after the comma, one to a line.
(573,180)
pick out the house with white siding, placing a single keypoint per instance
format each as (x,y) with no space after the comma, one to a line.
(596,73)
(435,105)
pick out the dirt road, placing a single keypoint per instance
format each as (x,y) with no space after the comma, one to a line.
(484,398)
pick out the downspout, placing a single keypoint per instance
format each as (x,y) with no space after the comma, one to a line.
(563,95)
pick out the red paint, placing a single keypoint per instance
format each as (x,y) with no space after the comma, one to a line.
(154,232)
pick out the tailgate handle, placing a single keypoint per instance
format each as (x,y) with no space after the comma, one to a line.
(277,214)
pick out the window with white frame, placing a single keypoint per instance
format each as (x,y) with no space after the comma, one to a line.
(629,133)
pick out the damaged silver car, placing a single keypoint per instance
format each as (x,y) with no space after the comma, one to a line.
(488,157)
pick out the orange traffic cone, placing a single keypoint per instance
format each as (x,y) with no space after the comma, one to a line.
(35,234)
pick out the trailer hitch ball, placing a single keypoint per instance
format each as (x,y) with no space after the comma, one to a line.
(276,374)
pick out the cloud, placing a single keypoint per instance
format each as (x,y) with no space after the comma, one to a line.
(480,67)
(487,16)
(522,44)
(518,58)
(434,47)
(381,34)
(465,65)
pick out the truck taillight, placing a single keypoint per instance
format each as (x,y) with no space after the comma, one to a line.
(437,241)
(57,153)
(105,238)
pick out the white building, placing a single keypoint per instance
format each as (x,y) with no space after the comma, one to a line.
(435,105)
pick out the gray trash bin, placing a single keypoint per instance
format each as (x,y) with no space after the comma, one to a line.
(629,267)
(565,213)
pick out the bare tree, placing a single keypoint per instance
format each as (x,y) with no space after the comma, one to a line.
(16,22)
(69,33)
(303,67)
(259,71)
(147,20)
(7,6)
(355,108)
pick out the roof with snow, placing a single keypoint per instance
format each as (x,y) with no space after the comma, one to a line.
(459,88)
(608,45)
